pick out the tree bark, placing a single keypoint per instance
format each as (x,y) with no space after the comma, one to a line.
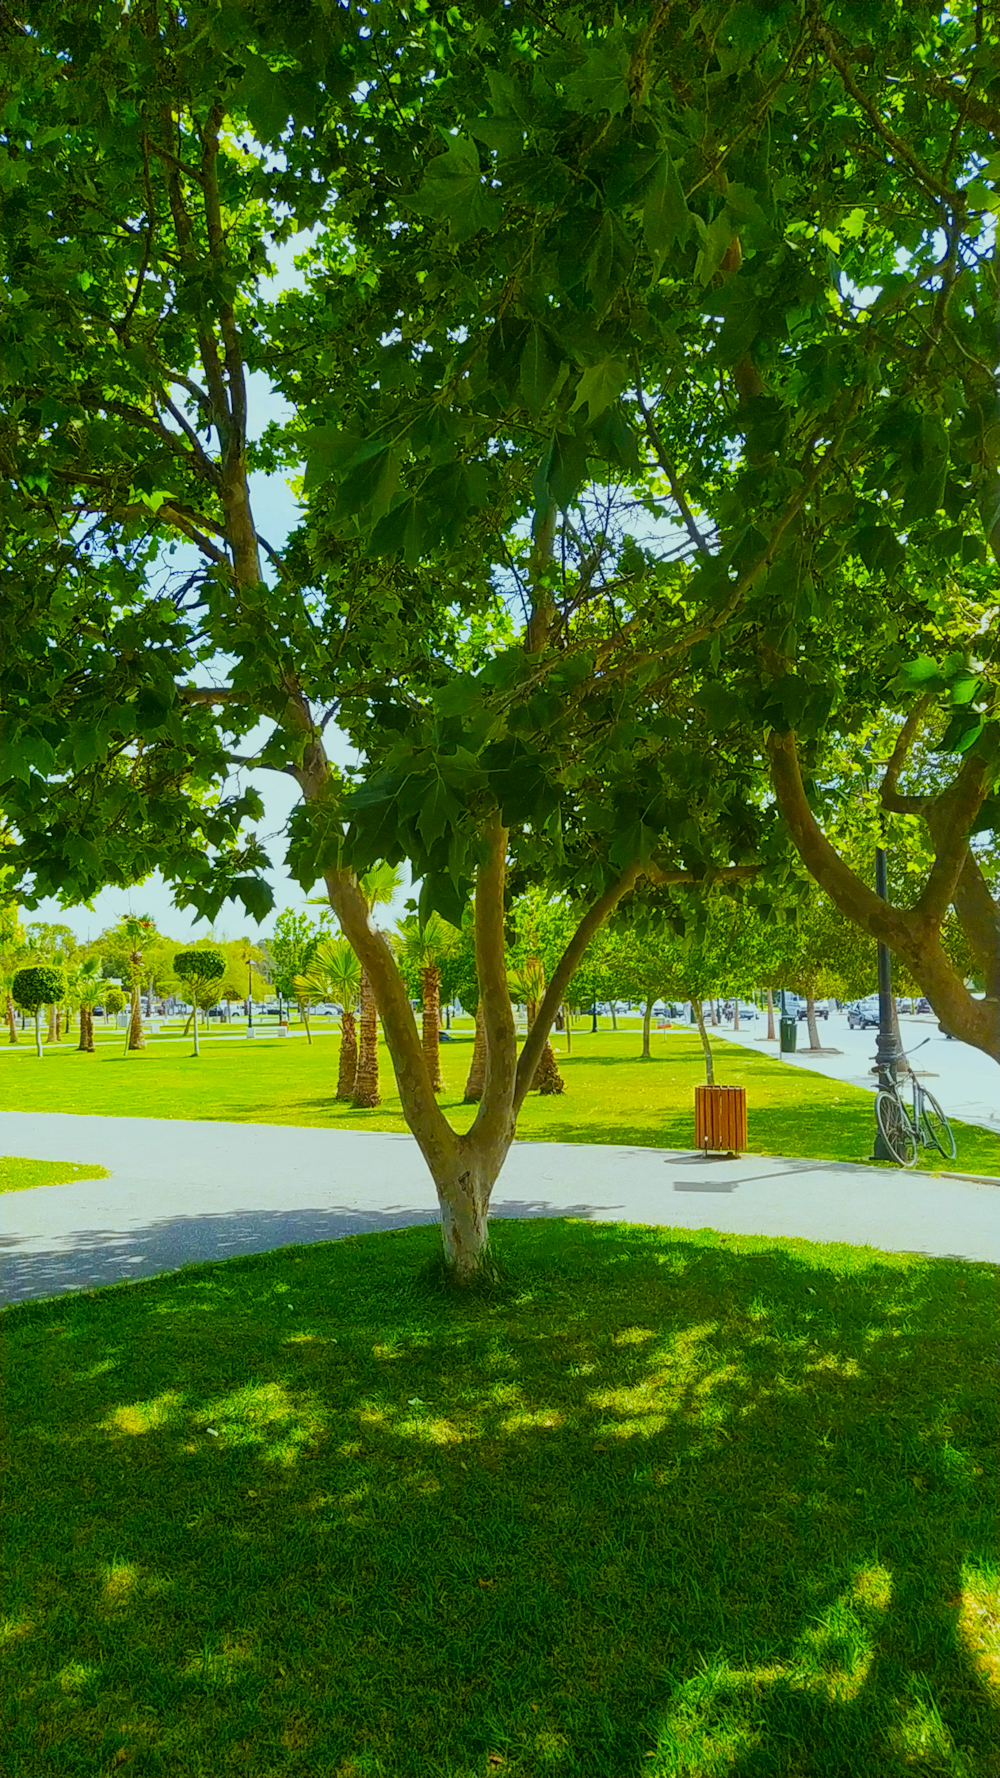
(614,1017)
(366,1094)
(430,1022)
(304,1016)
(736,1014)
(53,1036)
(770,1016)
(348,1069)
(568,1028)
(477,1067)
(814,1043)
(547,1076)
(464,1191)
(706,1046)
(90,1031)
(38,1030)
(647,1015)
(12,1021)
(136,1034)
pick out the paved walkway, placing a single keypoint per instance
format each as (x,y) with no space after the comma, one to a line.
(183,1192)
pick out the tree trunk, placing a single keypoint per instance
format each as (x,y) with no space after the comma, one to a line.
(53,1036)
(614,1017)
(38,1030)
(90,1031)
(593,1018)
(304,1016)
(814,1043)
(348,1056)
(197,1051)
(366,1094)
(188,1025)
(82,1045)
(12,1021)
(706,1046)
(477,1067)
(547,1076)
(569,1031)
(136,1034)
(714,1009)
(736,1014)
(770,1016)
(464,1190)
(430,1022)
(647,1014)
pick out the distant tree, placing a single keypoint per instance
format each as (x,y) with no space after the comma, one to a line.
(202,970)
(420,951)
(291,951)
(39,985)
(86,985)
(335,975)
(136,930)
(114,1001)
(378,886)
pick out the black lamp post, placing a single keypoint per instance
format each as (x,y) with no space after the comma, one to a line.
(887,1047)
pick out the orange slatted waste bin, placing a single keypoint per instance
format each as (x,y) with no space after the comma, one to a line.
(720,1118)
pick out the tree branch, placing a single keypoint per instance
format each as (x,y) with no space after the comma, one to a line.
(900,149)
(904,741)
(593,919)
(955,810)
(677,492)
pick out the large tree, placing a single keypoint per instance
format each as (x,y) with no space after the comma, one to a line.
(548,261)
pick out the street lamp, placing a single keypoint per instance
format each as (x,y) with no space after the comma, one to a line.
(887,1047)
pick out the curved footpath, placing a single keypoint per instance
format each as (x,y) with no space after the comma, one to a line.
(185,1192)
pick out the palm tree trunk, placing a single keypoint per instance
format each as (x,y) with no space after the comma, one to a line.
(770,1016)
(430,982)
(706,1046)
(82,1045)
(547,1076)
(366,1093)
(136,1034)
(647,1014)
(348,1056)
(12,1021)
(90,1030)
(476,1082)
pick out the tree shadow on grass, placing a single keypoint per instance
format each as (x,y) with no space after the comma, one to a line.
(663,1506)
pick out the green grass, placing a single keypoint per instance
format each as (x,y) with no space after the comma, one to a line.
(611,1096)
(17,1175)
(668,1505)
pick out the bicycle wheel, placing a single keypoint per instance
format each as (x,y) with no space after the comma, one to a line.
(895,1128)
(938,1129)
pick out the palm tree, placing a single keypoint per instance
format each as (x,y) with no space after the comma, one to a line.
(529,985)
(86,986)
(335,974)
(475,1086)
(136,928)
(423,947)
(378,886)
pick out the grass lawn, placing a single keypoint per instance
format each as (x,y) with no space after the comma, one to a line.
(18,1175)
(611,1095)
(670,1505)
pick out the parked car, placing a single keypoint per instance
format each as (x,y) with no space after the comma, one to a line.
(863,1015)
(822,1012)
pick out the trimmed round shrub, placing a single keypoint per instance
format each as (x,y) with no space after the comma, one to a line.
(41,985)
(200,967)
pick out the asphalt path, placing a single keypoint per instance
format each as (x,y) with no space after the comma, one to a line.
(184,1192)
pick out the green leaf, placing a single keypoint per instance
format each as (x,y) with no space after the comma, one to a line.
(454,188)
(438,809)
(562,470)
(541,370)
(666,219)
(715,238)
(600,385)
(602,83)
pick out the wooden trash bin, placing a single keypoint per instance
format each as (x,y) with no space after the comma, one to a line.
(720,1118)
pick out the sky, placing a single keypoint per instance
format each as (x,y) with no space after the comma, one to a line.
(276,513)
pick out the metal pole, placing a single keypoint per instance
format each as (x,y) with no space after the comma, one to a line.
(249,999)
(886,1049)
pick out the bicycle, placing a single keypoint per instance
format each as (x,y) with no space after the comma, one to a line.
(903,1131)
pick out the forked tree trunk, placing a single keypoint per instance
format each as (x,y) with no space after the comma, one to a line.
(136,1034)
(770,1016)
(12,1021)
(647,1015)
(464,1189)
(366,1094)
(430,1022)
(477,1067)
(348,1056)
(706,1046)
(814,1042)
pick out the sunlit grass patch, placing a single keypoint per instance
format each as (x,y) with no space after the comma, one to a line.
(18,1175)
(672,1504)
